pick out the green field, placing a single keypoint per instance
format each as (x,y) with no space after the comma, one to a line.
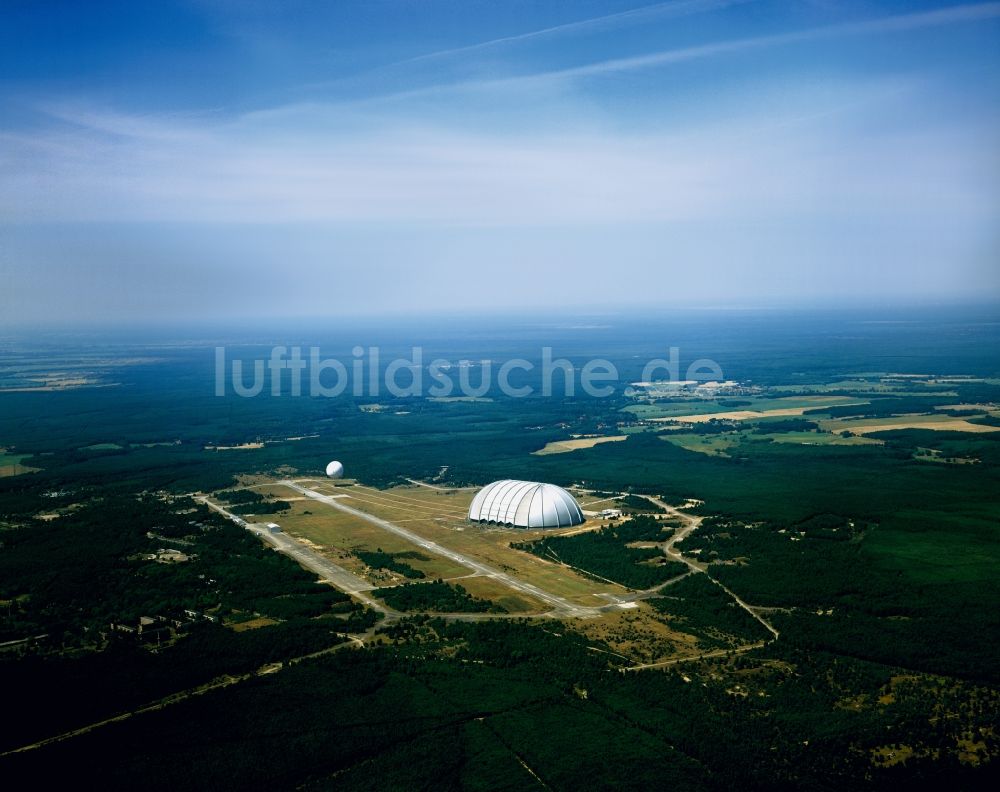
(873,555)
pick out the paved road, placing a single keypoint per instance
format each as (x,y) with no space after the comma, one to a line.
(560,606)
(713,653)
(690,523)
(315,562)
(439,489)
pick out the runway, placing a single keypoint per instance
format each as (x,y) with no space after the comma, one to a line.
(560,606)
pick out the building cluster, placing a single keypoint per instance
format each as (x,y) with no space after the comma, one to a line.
(160,629)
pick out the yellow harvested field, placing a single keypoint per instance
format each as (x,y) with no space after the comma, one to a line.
(565,446)
(940,423)
(737,415)
(11,464)
(796,405)
(16,470)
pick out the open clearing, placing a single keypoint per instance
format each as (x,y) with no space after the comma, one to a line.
(639,634)
(514,601)
(941,423)
(10,464)
(565,446)
(747,415)
(714,445)
(337,536)
(821,438)
(990,409)
(439,517)
(750,407)
(720,444)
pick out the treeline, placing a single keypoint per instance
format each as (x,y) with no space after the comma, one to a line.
(882,407)
(437,596)
(71,577)
(785,425)
(379,559)
(639,503)
(76,573)
(604,553)
(247,502)
(240,497)
(50,695)
(712,426)
(471,703)
(698,606)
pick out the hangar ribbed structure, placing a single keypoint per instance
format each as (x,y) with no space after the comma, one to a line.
(525,504)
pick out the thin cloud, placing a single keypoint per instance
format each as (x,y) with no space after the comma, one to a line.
(668,10)
(322,165)
(977,12)
(954,15)
(677,8)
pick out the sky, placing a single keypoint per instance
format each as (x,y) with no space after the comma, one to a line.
(238,158)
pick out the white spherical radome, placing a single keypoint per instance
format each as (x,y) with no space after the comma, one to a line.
(335,470)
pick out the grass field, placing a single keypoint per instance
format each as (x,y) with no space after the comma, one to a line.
(438,515)
(718,444)
(789,407)
(705,409)
(942,423)
(721,444)
(338,536)
(640,634)
(565,446)
(513,601)
(13,464)
(822,438)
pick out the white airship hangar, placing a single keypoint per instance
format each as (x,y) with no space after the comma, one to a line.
(525,504)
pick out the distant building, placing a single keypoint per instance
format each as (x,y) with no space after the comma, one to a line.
(168,556)
(274,527)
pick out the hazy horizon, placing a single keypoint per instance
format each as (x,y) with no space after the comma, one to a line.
(211,160)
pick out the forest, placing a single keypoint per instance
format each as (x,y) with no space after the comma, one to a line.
(605,553)
(875,561)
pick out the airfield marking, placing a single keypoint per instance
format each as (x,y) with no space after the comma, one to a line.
(392,499)
(560,605)
(439,489)
(355,586)
(342,578)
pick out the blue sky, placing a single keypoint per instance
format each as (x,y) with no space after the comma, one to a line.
(223,158)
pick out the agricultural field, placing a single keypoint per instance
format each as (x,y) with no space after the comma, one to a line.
(565,446)
(937,423)
(749,407)
(850,510)
(13,464)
